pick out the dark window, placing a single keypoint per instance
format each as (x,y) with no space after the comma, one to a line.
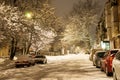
(100,54)
(114,51)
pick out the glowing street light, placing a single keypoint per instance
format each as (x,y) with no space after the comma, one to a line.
(28,15)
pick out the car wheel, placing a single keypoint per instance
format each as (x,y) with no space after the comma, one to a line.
(17,66)
(45,62)
(33,64)
(97,66)
(28,65)
(114,76)
(106,71)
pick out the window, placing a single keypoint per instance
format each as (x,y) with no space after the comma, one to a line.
(114,51)
(100,54)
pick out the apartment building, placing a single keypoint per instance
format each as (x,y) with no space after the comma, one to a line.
(108,28)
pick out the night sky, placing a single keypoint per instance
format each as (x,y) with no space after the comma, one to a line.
(63,7)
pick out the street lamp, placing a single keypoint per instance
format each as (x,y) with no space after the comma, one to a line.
(28,15)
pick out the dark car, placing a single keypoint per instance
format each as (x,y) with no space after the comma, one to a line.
(40,59)
(24,60)
(106,61)
(92,52)
(97,57)
(116,66)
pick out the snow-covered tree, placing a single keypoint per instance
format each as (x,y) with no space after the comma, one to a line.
(10,30)
(44,24)
(82,18)
(48,21)
(17,30)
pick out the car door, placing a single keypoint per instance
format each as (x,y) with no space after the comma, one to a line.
(103,61)
(117,65)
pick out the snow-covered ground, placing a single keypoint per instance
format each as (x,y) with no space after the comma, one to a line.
(67,57)
(2,60)
(92,74)
(65,67)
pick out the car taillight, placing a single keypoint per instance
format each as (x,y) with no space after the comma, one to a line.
(111,58)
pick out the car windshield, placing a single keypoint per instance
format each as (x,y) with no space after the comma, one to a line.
(114,51)
(100,54)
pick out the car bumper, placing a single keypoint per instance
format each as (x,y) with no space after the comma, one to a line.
(21,64)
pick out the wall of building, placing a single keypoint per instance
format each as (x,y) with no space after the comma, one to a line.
(112,23)
(4,51)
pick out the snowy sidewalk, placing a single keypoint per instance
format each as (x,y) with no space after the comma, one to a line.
(6,64)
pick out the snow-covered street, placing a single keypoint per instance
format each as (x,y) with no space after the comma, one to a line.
(67,67)
(52,39)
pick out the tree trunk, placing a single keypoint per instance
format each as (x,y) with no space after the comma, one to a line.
(13,48)
(28,47)
(24,49)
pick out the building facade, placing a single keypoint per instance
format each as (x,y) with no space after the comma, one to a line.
(108,28)
(4,50)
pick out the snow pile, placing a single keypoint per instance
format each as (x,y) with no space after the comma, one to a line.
(2,60)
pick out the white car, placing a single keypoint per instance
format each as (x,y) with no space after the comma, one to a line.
(40,59)
(116,66)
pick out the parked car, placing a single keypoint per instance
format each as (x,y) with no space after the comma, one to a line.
(40,59)
(106,61)
(97,57)
(92,52)
(116,66)
(24,60)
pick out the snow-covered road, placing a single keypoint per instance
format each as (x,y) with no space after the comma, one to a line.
(67,67)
